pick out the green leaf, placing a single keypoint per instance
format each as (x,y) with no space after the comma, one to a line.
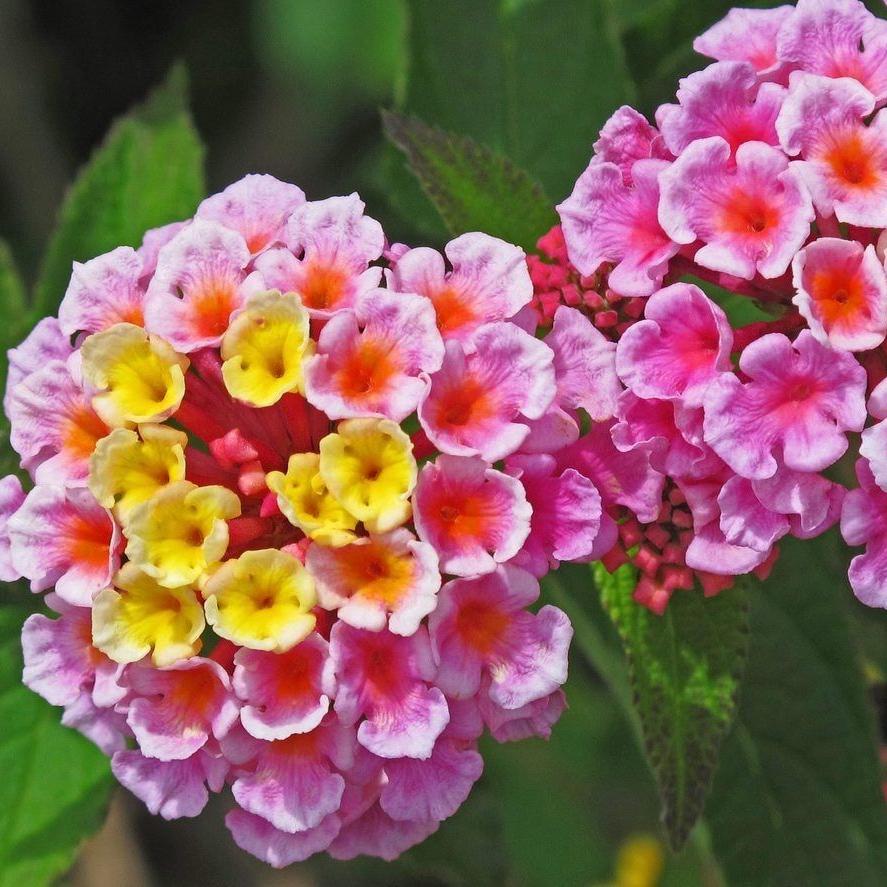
(684,668)
(16,321)
(797,797)
(473,187)
(534,79)
(13,306)
(147,172)
(55,783)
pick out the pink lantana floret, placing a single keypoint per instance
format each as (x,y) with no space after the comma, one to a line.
(566,514)
(434,789)
(382,579)
(747,35)
(327,263)
(474,516)
(621,478)
(295,783)
(44,344)
(607,220)
(626,137)
(374,832)
(385,684)
(488,282)
(61,536)
(801,399)
(477,402)
(256,207)
(836,38)
(61,663)
(842,160)
(680,346)
(171,789)
(751,215)
(584,365)
(842,293)
(864,522)
(369,360)
(104,291)
(279,849)
(284,693)
(55,444)
(725,99)
(480,628)
(197,286)
(11,498)
(177,709)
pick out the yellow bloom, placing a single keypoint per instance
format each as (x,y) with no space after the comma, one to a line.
(368,466)
(264,348)
(138,375)
(262,600)
(126,469)
(640,862)
(138,617)
(308,505)
(180,532)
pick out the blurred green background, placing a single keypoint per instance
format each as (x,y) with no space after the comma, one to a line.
(294,88)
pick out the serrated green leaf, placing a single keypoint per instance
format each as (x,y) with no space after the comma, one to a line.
(55,784)
(473,187)
(797,797)
(685,668)
(147,172)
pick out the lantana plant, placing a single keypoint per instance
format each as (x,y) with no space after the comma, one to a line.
(291,488)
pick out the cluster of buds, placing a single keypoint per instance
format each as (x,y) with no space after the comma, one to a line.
(556,282)
(293,491)
(767,178)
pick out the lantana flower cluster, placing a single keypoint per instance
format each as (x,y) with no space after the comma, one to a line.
(767,177)
(293,491)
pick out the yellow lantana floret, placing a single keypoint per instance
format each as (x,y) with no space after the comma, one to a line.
(368,466)
(128,468)
(138,617)
(137,374)
(308,504)
(262,600)
(180,532)
(265,347)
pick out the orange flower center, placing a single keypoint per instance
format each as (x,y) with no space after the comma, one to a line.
(213,303)
(838,295)
(453,309)
(749,214)
(851,161)
(323,286)
(481,627)
(376,572)
(464,405)
(83,430)
(367,369)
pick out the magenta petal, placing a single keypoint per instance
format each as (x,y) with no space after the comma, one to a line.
(278,848)
(682,344)
(171,789)
(606,220)
(377,834)
(434,789)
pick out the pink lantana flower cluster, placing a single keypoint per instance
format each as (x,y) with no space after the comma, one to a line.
(768,178)
(293,491)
